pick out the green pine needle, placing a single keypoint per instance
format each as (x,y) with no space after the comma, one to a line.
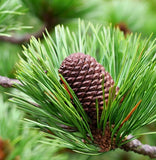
(10,11)
(23,142)
(129,60)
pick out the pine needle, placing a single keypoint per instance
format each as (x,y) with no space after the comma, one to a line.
(129,115)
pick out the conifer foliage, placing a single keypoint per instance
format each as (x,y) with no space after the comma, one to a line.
(129,60)
(18,140)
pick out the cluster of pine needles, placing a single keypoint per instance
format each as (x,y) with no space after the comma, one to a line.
(131,62)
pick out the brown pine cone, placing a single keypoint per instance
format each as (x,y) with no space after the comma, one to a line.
(85,75)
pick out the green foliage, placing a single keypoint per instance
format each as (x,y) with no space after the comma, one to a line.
(130,61)
(23,141)
(10,11)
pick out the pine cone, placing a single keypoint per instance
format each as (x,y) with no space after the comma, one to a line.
(85,75)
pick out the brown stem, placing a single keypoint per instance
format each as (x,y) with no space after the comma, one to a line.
(7,82)
(24,38)
(137,147)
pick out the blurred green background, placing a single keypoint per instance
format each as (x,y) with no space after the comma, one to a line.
(132,16)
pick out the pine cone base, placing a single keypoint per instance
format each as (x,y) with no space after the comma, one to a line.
(103,140)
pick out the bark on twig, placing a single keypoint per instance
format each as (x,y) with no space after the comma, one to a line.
(7,82)
(137,147)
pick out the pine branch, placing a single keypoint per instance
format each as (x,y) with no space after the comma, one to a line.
(8,82)
(25,38)
(134,145)
(137,147)
(133,74)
